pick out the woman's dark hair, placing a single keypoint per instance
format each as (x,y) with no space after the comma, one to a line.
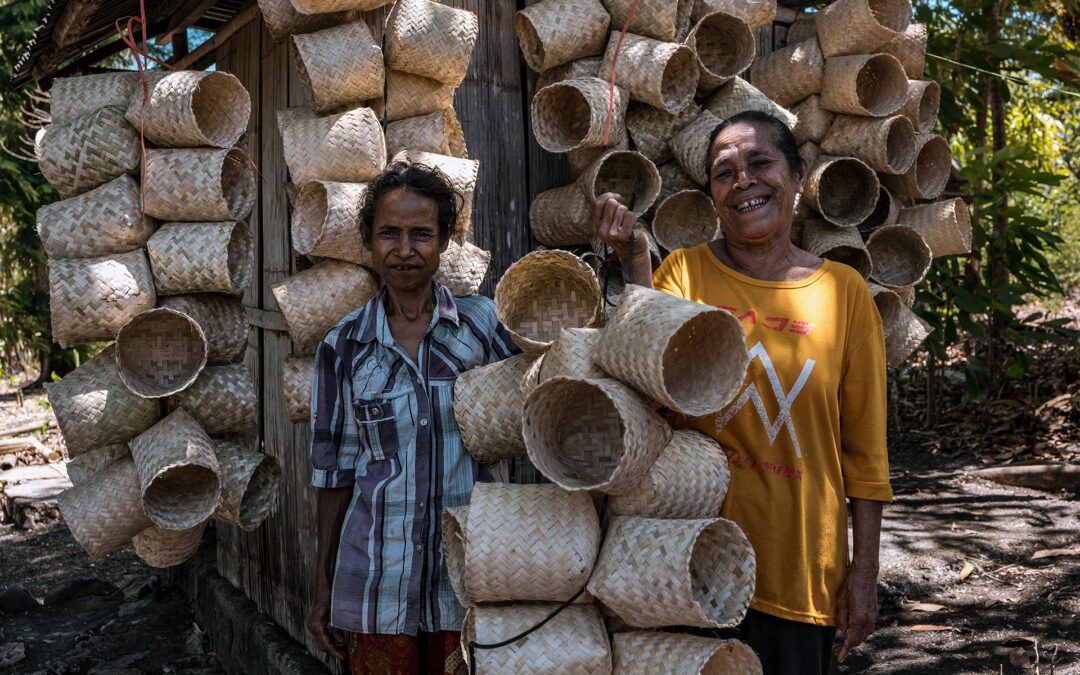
(782,138)
(422,179)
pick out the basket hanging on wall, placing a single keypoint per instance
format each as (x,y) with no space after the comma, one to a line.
(929,173)
(886,144)
(488,405)
(844,190)
(574,641)
(438,133)
(814,121)
(789,75)
(860,26)
(923,101)
(556,32)
(657,652)
(342,66)
(873,85)
(431,40)
(842,244)
(325,221)
(81,468)
(222,320)
(88,151)
(621,172)
(570,355)
(283,20)
(411,95)
(160,352)
(91,298)
(664,20)
(462,267)
(901,256)
(222,400)
(198,184)
(159,547)
(107,512)
(685,219)
(724,46)
(662,74)
(572,114)
(945,226)
(72,97)
(297,373)
(191,108)
(317,298)
(652,129)
(738,95)
(249,485)
(346,148)
(103,221)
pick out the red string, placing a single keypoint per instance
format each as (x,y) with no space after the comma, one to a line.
(614,59)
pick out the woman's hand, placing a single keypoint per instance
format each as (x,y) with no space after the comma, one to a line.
(329,639)
(613,224)
(857,609)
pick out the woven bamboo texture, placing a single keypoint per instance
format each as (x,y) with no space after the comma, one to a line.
(222,400)
(890,307)
(93,407)
(107,512)
(656,19)
(574,641)
(573,113)
(810,152)
(886,144)
(222,320)
(923,102)
(885,212)
(840,244)
(431,40)
(88,151)
(561,217)
(249,485)
(411,95)
(91,298)
(178,472)
(910,48)
(283,20)
(199,184)
(691,146)
(662,74)
(438,133)
(105,220)
(654,572)
(570,355)
(873,85)
(461,172)
(652,129)
(906,294)
(297,373)
(658,652)
(544,292)
(813,120)
(72,97)
(322,6)
(342,66)
(755,13)
(191,108)
(789,75)
(158,547)
(325,221)
(690,357)
(488,406)
(901,256)
(803,28)
(929,173)
(906,336)
(529,542)
(738,96)
(685,219)
(592,434)
(860,26)
(160,352)
(454,522)
(584,67)
(945,226)
(317,298)
(344,148)
(689,480)
(462,267)
(555,32)
(843,190)
(202,258)
(81,469)
(622,172)
(724,46)
(672,179)
(581,158)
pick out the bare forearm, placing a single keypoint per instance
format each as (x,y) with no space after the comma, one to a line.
(333,505)
(866,535)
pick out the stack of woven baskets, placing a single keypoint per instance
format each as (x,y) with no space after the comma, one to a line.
(374,99)
(847,84)
(157,267)
(578,403)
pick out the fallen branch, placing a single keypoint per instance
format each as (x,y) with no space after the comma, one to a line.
(27,428)
(1041,476)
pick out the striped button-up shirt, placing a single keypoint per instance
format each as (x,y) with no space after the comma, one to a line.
(385,425)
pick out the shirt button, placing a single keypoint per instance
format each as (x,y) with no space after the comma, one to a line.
(423,422)
(374,411)
(419,381)
(419,548)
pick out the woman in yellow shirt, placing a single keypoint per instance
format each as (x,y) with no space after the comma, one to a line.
(806,433)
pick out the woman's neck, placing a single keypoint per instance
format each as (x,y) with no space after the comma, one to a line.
(410,304)
(775,260)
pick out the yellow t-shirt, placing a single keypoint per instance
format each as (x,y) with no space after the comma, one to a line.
(807,428)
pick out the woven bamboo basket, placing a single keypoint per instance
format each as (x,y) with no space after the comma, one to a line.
(429,39)
(222,400)
(160,352)
(689,480)
(929,173)
(592,434)
(923,101)
(581,158)
(890,307)
(844,190)
(810,153)
(81,469)
(297,373)
(411,95)
(886,144)
(685,219)
(813,120)
(754,13)
(623,172)
(197,185)
(901,256)
(90,299)
(191,108)
(789,75)
(652,129)
(107,512)
(561,217)
(342,66)
(910,47)
(323,6)
(346,148)
(724,46)
(72,97)
(105,220)
(555,32)
(588,66)
(570,355)
(574,641)
(488,405)
(662,74)
(657,19)
(738,96)
(463,267)
(872,85)
(317,298)
(945,226)
(178,472)
(544,292)
(202,257)
(803,28)
(529,542)
(283,20)
(860,26)
(158,547)
(88,151)
(906,294)
(438,133)
(691,146)
(885,212)
(249,485)
(573,114)
(840,244)
(454,528)
(325,221)
(658,652)
(222,320)
(654,572)
(94,407)
(461,172)
(672,179)
(908,333)
(690,357)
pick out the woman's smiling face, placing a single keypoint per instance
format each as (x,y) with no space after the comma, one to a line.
(405,241)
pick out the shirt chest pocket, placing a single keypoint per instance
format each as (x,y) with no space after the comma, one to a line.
(385,423)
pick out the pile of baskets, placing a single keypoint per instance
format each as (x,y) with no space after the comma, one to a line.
(578,404)
(847,85)
(148,249)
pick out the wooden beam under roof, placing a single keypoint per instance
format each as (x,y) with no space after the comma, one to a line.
(185,17)
(69,26)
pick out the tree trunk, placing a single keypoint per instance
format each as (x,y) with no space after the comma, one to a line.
(999,270)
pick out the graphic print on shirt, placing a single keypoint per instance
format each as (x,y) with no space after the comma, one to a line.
(785,399)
